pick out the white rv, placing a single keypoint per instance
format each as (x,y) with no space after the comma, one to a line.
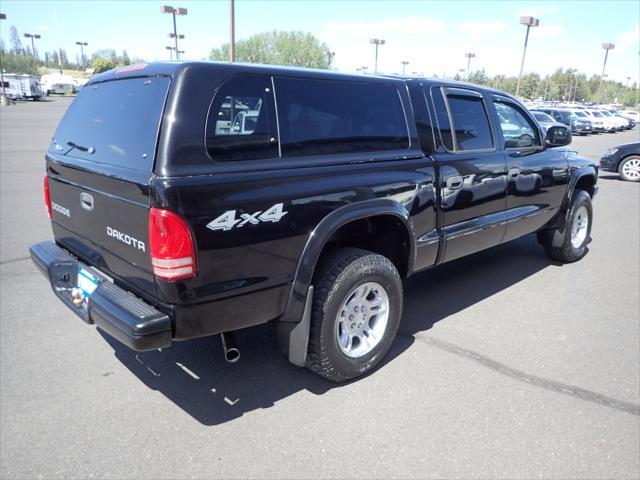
(57,83)
(28,85)
(11,88)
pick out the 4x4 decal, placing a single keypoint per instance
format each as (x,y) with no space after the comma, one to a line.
(228,219)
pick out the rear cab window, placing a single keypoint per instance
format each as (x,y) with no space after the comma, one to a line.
(321,117)
(114,122)
(255,117)
(241,124)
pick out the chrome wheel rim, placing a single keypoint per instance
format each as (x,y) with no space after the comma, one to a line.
(579,227)
(362,319)
(631,169)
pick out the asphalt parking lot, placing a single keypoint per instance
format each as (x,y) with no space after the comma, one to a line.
(507,366)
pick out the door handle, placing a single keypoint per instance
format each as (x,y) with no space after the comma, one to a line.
(454,183)
(513,173)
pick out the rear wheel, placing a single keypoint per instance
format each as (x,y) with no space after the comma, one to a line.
(629,169)
(356,312)
(577,232)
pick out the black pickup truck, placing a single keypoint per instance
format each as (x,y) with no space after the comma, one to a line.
(192,199)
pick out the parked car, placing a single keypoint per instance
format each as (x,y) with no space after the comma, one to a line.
(631,114)
(581,123)
(630,122)
(619,123)
(568,117)
(171,223)
(544,120)
(624,159)
(606,124)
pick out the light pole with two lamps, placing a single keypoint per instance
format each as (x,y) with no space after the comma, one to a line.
(174,11)
(82,44)
(469,56)
(33,49)
(376,42)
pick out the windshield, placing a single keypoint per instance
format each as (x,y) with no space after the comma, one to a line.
(542,117)
(114,122)
(580,114)
(596,114)
(605,113)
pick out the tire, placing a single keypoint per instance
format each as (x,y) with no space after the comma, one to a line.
(341,277)
(575,238)
(629,169)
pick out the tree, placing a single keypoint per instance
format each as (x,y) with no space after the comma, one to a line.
(124,59)
(101,64)
(278,48)
(16,43)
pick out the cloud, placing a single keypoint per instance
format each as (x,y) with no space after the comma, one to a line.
(538,10)
(632,36)
(550,31)
(483,28)
(413,25)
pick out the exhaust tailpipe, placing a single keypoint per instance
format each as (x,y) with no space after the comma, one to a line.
(231,352)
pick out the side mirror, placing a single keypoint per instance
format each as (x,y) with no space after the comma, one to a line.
(557,137)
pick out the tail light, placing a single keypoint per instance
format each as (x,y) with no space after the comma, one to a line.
(47,196)
(171,246)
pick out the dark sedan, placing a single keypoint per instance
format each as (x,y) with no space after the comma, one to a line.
(624,159)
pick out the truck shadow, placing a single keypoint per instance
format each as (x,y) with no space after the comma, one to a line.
(195,377)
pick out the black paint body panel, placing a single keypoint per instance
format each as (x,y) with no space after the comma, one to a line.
(261,272)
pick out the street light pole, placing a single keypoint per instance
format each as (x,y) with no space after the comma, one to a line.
(33,50)
(171,49)
(174,11)
(232,43)
(404,65)
(4,99)
(82,44)
(529,22)
(330,56)
(469,56)
(607,47)
(376,42)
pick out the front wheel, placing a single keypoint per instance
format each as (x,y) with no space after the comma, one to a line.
(576,234)
(629,169)
(356,312)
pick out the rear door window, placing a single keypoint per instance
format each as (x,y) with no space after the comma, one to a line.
(241,124)
(114,122)
(470,122)
(322,117)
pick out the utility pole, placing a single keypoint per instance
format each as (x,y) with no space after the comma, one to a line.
(529,22)
(607,47)
(376,42)
(174,11)
(232,43)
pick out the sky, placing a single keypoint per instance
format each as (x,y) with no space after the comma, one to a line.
(433,36)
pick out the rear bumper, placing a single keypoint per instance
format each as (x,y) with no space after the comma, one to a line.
(125,317)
